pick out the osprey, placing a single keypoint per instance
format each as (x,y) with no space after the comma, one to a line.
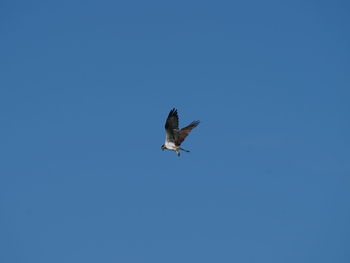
(174,136)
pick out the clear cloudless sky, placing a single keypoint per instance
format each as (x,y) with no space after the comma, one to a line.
(85,88)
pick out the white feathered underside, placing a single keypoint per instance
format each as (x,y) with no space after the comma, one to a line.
(170,141)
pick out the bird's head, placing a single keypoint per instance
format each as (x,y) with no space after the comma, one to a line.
(162,147)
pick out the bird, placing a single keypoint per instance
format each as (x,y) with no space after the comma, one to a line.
(175,136)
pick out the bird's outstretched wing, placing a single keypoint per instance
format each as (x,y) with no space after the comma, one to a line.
(171,124)
(183,133)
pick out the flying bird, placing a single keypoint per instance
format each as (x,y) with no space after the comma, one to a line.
(174,137)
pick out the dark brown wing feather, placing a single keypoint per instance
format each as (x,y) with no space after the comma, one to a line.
(171,125)
(183,133)
(172,122)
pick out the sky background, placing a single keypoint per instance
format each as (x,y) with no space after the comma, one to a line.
(86,86)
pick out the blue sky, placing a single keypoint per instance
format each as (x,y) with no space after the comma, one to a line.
(85,89)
